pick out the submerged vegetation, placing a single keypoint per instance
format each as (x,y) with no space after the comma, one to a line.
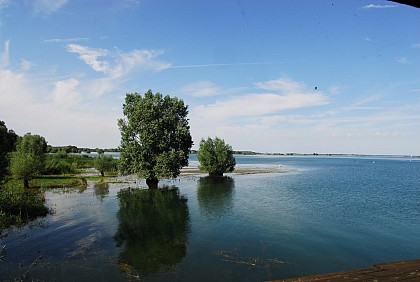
(19,206)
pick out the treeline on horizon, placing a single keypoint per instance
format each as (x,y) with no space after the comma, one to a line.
(71,149)
(76,150)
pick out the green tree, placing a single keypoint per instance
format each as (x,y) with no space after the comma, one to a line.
(155,136)
(105,163)
(8,140)
(29,158)
(215,157)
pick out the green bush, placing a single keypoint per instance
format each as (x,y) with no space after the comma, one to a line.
(105,163)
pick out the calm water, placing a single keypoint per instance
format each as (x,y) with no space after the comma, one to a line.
(326,214)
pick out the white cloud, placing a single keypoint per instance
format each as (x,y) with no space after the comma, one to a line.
(201,89)
(65,93)
(142,59)
(402,60)
(289,95)
(115,66)
(373,6)
(285,85)
(48,6)
(122,63)
(259,104)
(90,57)
(101,86)
(57,114)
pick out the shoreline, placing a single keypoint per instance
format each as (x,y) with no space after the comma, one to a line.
(193,170)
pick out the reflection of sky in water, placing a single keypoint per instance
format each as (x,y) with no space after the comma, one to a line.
(335,214)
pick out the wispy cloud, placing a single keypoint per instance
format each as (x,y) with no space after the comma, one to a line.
(91,57)
(402,60)
(415,45)
(4,56)
(222,65)
(374,6)
(117,64)
(284,84)
(66,40)
(285,94)
(48,7)
(201,89)
(25,64)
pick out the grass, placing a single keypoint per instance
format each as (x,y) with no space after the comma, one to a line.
(57,181)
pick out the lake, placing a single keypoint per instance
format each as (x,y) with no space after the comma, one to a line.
(324,214)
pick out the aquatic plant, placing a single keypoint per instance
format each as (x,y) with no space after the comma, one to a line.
(18,207)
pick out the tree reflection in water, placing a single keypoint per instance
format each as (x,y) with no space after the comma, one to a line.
(153,227)
(101,190)
(215,196)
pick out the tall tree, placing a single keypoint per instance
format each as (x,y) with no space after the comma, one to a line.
(8,140)
(29,158)
(215,156)
(155,136)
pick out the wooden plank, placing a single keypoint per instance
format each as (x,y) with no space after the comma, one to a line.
(406,271)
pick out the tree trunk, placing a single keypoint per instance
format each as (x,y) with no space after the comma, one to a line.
(215,174)
(102,173)
(152,183)
(25,183)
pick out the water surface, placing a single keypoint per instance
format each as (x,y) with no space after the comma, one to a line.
(324,215)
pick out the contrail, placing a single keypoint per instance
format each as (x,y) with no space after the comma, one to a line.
(218,65)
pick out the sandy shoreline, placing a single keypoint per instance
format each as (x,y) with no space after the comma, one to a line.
(193,170)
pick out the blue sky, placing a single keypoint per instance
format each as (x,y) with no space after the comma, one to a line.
(268,75)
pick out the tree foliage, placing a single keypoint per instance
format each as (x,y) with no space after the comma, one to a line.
(8,140)
(155,136)
(215,156)
(29,158)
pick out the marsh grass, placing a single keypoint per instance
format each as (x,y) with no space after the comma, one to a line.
(19,206)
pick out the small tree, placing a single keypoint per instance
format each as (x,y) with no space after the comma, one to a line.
(155,136)
(105,163)
(215,157)
(29,158)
